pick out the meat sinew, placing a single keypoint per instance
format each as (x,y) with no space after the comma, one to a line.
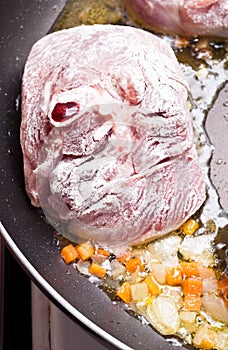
(106,135)
(184,17)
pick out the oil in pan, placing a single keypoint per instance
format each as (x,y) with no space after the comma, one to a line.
(90,12)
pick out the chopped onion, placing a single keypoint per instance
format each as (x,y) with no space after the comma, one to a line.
(198,249)
(163,315)
(188,316)
(83,267)
(139,291)
(159,272)
(222,341)
(117,269)
(205,335)
(209,285)
(215,307)
(165,247)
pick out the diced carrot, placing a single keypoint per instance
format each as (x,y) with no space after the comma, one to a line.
(190,269)
(174,276)
(124,292)
(103,252)
(192,303)
(97,270)
(192,286)
(69,253)
(134,264)
(153,287)
(85,250)
(123,258)
(190,227)
(194,269)
(223,289)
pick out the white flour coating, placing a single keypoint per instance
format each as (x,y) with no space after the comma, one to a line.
(121,166)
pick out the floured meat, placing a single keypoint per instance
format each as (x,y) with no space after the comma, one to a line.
(184,17)
(106,135)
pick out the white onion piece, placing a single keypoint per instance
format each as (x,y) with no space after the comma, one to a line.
(222,341)
(209,285)
(215,307)
(188,316)
(159,272)
(205,334)
(165,248)
(83,267)
(139,291)
(162,313)
(117,269)
(198,248)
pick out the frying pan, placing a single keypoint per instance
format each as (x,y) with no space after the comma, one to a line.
(22,227)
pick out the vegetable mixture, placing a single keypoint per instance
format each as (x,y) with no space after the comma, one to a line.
(174,283)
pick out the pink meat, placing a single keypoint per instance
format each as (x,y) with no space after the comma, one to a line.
(183,17)
(106,135)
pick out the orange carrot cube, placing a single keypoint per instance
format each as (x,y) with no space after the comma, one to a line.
(97,270)
(190,227)
(153,287)
(190,269)
(123,258)
(174,276)
(134,264)
(103,252)
(69,253)
(85,250)
(192,286)
(124,292)
(192,303)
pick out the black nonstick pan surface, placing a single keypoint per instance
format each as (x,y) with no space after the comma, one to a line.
(24,231)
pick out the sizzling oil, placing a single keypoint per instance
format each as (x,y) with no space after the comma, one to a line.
(87,12)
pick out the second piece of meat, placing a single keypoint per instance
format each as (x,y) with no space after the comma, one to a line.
(183,17)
